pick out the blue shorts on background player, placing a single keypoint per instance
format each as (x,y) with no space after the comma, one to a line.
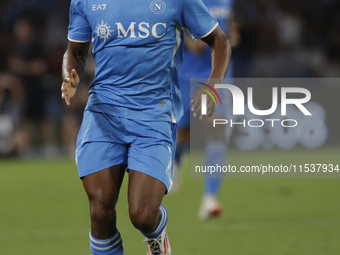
(196,64)
(129,123)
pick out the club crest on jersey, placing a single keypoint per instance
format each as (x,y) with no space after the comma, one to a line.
(103,31)
(157,6)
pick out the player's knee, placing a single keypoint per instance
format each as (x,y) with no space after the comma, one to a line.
(100,215)
(144,218)
(102,211)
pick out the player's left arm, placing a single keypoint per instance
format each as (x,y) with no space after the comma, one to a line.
(220,59)
(73,67)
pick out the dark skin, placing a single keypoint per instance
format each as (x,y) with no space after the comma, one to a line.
(145,193)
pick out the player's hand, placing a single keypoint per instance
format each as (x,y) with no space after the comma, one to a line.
(69,86)
(197,103)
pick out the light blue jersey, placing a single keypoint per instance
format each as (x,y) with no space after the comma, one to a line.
(138,51)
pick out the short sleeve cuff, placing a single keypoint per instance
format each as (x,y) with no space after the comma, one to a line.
(210,31)
(202,32)
(78,38)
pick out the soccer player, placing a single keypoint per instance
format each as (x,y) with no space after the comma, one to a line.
(129,122)
(196,64)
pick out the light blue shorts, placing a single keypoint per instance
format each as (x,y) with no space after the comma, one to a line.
(106,140)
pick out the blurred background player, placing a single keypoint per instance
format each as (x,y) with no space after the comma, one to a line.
(197,64)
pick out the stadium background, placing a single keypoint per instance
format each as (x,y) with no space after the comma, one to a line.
(43,209)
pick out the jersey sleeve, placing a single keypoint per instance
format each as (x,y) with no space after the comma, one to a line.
(196,20)
(79,29)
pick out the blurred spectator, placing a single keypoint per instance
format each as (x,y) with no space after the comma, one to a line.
(11,107)
(29,63)
(288,38)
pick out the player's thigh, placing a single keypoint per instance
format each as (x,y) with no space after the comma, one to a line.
(144,192)
(183,135)
(103,187)
(212,133)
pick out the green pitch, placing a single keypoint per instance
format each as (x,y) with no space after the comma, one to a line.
(44,211)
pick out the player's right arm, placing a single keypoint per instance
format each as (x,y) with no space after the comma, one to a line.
(73,67)
(79,35)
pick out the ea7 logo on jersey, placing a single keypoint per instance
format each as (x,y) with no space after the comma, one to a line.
(97,7)
(157,6)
